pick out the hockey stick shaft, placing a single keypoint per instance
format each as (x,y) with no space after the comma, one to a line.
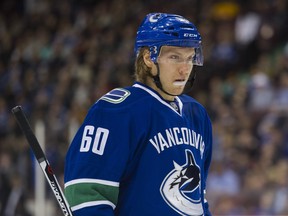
(42,160)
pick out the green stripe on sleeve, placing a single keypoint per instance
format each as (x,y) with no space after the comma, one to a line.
(86,192)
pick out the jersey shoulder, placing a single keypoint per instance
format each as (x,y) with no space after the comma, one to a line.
(192,104)
(186,99)
(122,98)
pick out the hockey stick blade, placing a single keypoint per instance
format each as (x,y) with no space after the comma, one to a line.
(41,158)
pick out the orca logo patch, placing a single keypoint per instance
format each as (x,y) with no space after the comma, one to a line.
(181,187)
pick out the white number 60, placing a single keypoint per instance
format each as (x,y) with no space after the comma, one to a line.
(100,139)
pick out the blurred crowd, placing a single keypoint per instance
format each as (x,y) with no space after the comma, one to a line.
(58,57)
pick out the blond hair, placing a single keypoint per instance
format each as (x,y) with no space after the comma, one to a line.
(142,71)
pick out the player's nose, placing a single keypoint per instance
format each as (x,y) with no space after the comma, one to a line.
(185,68)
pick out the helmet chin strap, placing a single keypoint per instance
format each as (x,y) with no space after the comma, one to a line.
(187,89)
(190,82)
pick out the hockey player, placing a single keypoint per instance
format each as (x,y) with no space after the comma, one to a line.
(145,150)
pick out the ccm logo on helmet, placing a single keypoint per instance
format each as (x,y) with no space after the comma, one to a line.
(189,35)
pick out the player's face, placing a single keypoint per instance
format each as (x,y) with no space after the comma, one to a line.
(175,65)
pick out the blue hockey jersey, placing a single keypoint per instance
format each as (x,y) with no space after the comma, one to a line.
(135,155)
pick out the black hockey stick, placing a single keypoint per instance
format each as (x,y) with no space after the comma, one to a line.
(41,158)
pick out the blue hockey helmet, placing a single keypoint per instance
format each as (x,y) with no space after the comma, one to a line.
(161,29)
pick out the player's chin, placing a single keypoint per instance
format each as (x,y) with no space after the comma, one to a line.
(178,90)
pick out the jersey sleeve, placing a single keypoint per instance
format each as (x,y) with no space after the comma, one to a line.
(96,160)
(207,162)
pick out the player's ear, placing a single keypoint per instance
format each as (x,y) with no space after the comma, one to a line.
(147,60)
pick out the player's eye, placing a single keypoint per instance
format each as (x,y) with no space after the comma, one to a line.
(175,57)
(190,58)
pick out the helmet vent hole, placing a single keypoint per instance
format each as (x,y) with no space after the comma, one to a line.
(172,33)
(186,27)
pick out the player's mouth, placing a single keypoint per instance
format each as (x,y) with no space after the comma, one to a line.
(180,82)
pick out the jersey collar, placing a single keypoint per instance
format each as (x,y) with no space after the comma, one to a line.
(158,97)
